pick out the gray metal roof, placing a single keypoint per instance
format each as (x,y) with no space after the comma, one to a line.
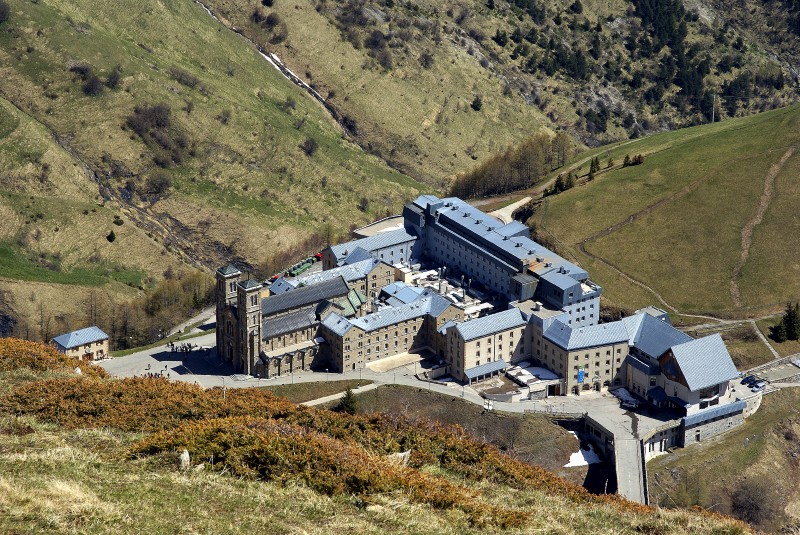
(359,254)
(484,369)
(562,281)
(402,293)
(715,412)
(228,270)
(294,321)
(570,339)
(432,304)
(653,336)
(379,241)
(80,337)
(304,296)
(705,362)
(337,323)
(282,285)
(488,325)
(350,272)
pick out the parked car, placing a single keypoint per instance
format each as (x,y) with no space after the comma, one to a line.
(757,388)
(318,256)
(629,404)
(760,384)
(749,380)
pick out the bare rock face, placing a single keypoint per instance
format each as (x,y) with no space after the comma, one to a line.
(400,459)
(184,460)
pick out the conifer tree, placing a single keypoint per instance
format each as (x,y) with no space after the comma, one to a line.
(348,402)
(790,321)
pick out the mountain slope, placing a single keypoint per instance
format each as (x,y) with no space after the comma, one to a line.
(100,458)
(179,126)
(408,72)
(706,222)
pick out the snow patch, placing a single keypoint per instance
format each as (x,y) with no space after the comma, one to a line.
(583,457)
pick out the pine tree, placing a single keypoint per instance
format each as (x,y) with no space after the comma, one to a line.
(348,403)
(790,321)
(779,332)
(627,161)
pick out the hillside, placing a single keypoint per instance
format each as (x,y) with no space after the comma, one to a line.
(706,224)
(76,461)
(406,74)
(158,114)
(755,469)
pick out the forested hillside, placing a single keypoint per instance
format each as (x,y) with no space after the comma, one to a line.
(433,86)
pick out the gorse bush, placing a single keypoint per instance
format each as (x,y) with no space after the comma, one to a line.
(280,451)
(16,354)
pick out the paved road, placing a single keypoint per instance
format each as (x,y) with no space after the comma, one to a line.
(628,463)
(204,369)
(505,214)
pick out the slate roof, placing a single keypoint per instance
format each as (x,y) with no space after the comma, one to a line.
(282,285)
(359,254)
(350,273)
(304,296)
(300,319)
(402,293)
(705,362)
(561,281)
(483,369)
(432,304)
(337,323)
(644,367)
(80,337)
(570,339)
(494,323)
(249,284)
(715,412)
(381,240)
(230,269)
(653,336)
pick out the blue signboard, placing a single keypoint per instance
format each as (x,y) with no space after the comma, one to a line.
(580,375)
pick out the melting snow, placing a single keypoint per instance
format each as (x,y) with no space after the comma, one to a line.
(583,457)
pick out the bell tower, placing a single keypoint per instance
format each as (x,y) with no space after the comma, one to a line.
(248,297)
(227,279)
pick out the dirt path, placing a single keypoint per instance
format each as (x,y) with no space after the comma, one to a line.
(747,231)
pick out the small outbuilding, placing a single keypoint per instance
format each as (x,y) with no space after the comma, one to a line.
(87,344)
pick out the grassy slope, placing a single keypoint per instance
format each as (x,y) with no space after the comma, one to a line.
(56,480)
(53,244)
(687,247)
(420,119)
(760,449)
(249,189)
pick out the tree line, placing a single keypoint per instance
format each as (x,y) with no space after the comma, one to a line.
(789,326)
(518,167)
(128,323)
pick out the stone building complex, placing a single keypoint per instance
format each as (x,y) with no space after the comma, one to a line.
(475,296)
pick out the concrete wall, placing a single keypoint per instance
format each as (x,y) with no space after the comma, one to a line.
(713,428)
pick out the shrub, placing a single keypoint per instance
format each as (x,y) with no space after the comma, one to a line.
(83,71)
(16,354)
(184,77)
(111,237)
(112,81)
(5,11)
(477,103)
(158,183)
(309,146)
(93,86)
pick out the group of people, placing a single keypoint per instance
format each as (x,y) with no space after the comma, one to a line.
(185,348)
